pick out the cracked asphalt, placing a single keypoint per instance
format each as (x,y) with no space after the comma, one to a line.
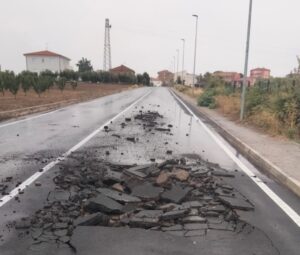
(26,147)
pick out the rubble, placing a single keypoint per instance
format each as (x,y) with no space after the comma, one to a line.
(183,195)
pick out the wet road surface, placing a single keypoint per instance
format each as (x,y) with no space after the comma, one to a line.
(28,146)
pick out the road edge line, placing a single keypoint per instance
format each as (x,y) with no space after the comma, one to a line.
(5,199)
(293,215)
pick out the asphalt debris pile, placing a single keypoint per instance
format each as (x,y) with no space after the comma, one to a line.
(184,196)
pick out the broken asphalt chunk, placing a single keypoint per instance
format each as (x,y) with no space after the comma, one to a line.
(102,203)
(95,219)
(147,191)
(237,203)
(172,215)
(176,194)
(118,196)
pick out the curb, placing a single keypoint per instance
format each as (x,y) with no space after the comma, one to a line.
(249,153)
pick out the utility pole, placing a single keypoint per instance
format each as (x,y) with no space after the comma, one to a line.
(177,65)
(183,44)
(107,48)
(246,63)
(195,51)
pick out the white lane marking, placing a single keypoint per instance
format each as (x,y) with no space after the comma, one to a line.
(271,194)
(36,175)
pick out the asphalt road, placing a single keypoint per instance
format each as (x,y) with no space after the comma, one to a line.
(33,143)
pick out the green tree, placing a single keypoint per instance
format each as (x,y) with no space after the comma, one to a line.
(12,83)
(74,84)
(146,79)
(27,80)
(61,83)
(2,87)
(84,65)
(139,78)
(41,84)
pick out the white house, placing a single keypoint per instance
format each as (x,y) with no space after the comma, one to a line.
(46,60)
(187,77)
(156,82)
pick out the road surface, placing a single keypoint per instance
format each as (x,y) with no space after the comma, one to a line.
(31,150)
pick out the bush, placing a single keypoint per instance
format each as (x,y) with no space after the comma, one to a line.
(207,99)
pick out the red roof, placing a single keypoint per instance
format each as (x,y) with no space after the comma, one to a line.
(261,69)
(164,71)
(45,53)
(122,69)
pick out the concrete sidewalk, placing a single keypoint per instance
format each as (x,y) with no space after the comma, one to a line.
(276,156)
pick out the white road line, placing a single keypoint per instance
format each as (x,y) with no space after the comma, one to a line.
(36,175)
(276,199)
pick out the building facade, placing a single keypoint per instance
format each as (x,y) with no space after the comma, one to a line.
(229,77)
(260,73)
(166,77)
(123,70)
(46,60)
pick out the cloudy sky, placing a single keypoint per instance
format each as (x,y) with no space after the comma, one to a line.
(146,33)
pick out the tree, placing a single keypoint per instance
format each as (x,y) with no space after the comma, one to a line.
(146,79)
(69,75)
(12,83)
(42,84)
(26,80)
(84,65)
(74,84)
(61,83)
(178,80)
(139,78)
(2,87)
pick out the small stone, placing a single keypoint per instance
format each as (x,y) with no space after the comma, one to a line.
(194,219)
(130,139)
(169,152)
(162,178)
(180,175)
(118,187)
(37,184)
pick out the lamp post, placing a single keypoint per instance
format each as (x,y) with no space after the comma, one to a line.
(246,64)
(177,65)
(195,51)
(174,61)
(183,44)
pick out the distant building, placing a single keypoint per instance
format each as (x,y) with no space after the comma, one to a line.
(166,77)
(122,70)
(260,73)
(46,60)
(186,77)
(156,82)
(228,76)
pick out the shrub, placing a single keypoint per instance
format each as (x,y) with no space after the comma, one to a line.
(207,99)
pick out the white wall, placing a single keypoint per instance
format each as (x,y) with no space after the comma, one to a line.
(42,63)
(187,77)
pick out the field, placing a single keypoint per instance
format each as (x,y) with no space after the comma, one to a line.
(54,98)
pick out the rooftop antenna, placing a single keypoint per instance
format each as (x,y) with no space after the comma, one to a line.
(107,49)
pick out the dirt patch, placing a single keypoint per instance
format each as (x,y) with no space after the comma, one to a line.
(54,98)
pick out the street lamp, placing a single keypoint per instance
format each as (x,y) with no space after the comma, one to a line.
(246,64)
(174,61)
(195,51)
(177,64)
(183,44)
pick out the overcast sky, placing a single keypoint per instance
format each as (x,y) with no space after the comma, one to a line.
(146,33)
